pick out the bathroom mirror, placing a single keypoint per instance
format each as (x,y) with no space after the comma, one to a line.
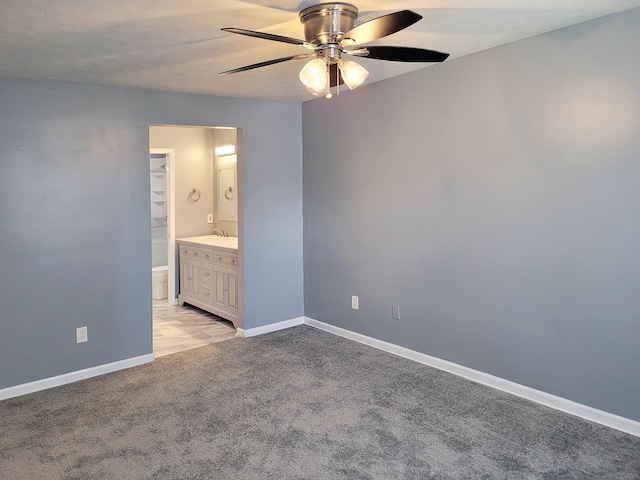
(227,204)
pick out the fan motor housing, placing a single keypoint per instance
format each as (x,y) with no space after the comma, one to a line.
(324,23)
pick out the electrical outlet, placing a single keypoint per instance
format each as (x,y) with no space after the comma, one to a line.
(81,335)
(395,312)
(210,218)
(354,302)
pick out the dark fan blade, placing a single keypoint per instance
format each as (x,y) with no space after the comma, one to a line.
(264,64)
(380,27)
(334,75)
(268,36)
(405,54)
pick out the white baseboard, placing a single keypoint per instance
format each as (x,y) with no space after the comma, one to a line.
(59,380)
(274,327)
(70,377)
(568,406)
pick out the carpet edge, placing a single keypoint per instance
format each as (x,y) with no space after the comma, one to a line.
(585,412)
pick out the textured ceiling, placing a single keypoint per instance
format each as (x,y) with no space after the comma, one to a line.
(177,45)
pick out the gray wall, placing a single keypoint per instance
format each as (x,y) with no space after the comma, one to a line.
(496,199)
(74,218)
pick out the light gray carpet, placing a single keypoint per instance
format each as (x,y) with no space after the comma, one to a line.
(301,404)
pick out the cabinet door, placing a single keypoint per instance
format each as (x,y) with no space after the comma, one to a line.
(190,277)
(219,281)
(185,283)
(195,278)
(232,290)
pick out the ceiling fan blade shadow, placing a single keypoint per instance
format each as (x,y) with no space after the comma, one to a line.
(405,54)
(380,27)
(269,36)
(267,63)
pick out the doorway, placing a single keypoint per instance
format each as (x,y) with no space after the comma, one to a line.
(194,161)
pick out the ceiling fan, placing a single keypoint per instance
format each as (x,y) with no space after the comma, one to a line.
(330,34)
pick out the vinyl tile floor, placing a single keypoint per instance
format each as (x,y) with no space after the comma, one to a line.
(177,328)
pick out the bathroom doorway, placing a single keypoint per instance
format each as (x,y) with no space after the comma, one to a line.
(195,163)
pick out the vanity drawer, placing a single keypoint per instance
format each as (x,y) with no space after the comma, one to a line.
(206,255)
(207,274)
(207,294)
(187,251)
(197,253)
(226,259)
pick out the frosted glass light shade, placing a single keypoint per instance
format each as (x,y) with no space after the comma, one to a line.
(315,77)
(353,73)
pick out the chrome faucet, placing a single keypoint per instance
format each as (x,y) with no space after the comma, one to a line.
(219,232)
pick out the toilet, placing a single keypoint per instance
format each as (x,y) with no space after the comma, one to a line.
(159,282)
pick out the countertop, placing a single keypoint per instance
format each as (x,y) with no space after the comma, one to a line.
(227,243)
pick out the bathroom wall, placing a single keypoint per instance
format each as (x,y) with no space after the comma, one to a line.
(196,167)
(224,136)
(495,198)
(193,169)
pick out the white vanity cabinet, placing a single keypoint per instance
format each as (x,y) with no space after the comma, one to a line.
(209,277)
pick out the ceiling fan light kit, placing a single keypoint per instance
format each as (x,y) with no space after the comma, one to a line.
(314,76)
(353,73)
(330,32)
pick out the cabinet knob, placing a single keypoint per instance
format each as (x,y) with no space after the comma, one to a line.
(185,252)
(195,254)
(206,274)
(233,261)
(206,256)
(219,259)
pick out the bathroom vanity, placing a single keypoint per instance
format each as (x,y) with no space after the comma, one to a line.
(209,274)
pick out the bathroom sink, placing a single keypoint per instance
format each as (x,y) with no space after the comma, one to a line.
(225,240)
(213,241)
